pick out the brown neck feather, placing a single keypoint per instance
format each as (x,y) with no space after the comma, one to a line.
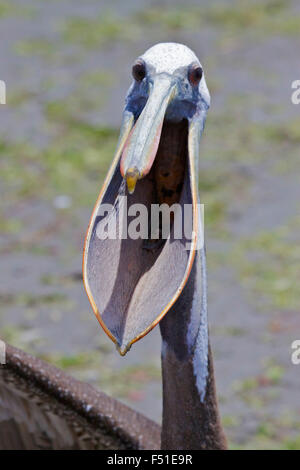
(188,423)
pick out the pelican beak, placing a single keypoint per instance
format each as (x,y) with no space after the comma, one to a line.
(141,147)
(132,282)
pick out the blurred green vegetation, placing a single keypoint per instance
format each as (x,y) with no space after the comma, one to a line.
(270,16)
(40,47)
(268,265)
(98,31)
(267,17)
(74,164)
(9,9)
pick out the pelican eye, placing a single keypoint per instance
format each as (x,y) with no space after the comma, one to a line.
(139,70)
(195,74)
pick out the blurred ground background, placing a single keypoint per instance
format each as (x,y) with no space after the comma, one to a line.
(67,68)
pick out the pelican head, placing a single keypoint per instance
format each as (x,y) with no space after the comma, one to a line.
(168,84)
(132,282)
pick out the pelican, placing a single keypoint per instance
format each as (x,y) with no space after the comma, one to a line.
(134,283)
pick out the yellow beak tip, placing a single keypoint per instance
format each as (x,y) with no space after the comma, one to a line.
(131,188)
(132,175)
